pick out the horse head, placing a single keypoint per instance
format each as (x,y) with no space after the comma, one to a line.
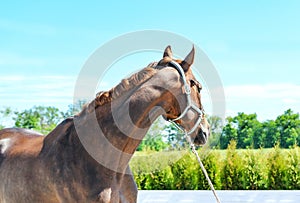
(187,111)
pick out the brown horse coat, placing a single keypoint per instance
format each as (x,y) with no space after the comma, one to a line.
(39,176)
(84,161)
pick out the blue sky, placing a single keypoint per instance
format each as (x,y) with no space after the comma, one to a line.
(254,45)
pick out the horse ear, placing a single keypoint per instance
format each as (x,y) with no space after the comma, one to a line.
(189,60)
(168,52)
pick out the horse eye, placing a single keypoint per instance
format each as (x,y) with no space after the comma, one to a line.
(193,83)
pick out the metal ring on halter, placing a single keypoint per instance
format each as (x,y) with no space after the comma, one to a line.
(189,106)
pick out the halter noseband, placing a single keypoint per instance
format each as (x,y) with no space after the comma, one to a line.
(189,106)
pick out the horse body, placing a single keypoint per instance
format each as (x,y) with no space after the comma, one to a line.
(35,175)
(21,173)
(86,158)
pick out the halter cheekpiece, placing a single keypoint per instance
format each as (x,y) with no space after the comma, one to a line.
(190,105)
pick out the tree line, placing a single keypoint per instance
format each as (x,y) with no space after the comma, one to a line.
(249,132)
(39,118)
(245,129)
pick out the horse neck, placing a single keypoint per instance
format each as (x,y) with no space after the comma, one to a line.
(125,120)
(111,132)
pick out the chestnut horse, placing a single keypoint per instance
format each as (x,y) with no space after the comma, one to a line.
(80,160)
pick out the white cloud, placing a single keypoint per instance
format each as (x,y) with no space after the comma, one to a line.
(268,91)
(25,92)
(267,100)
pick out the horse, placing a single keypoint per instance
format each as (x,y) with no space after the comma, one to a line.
(86,157)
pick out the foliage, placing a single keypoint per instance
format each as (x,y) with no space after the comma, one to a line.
(248,132)
(252,169)
(229,133)
(153,168)
(277,169)
(175,139)
(270,134)
(289,128)
(229,169)
(153,140)
(243,127)
(212,162)
(183,171)
(293,169)
(39,118)
(216,126)
(232,171)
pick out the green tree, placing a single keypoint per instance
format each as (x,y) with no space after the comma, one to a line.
(175,138)
(154,139)
(247,124)
(270,134)
(39,118)
(245,129)
(216,126)
(249,132)
(27,119)
(228,133)
(288,125)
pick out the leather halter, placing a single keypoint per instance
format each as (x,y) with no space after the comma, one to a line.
(189,106)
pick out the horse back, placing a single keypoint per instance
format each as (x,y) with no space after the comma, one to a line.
(17,141)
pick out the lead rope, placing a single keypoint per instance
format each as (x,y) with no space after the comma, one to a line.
(187,137)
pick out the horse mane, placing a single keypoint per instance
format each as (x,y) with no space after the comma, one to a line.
(104,97)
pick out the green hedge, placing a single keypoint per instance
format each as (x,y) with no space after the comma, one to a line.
(229,169)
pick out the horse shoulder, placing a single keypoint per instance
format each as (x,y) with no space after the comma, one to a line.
(17,141)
